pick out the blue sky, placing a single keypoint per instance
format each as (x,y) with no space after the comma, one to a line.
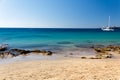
(59,13)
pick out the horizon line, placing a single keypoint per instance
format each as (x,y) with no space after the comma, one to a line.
(60,27)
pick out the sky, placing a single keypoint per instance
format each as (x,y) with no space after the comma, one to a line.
(59,13)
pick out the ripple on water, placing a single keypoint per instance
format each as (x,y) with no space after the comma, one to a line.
(42,46)
(83,45)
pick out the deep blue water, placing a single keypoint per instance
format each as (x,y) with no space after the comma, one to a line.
(54,38)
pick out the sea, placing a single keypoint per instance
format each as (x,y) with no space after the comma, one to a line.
(63,42)
(57,38)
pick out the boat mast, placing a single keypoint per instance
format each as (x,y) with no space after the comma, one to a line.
(109,22)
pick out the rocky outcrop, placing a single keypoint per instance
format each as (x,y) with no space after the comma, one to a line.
(3,47)
(105,52)
(83,57)
(110,48)
(49,53)
(4,53)
(104,56)
(43,52)
(115,49)
(19,52)
(36,51)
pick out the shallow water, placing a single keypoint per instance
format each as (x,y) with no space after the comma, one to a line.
(62,54)
(61,41)
(30,57)
(41,38)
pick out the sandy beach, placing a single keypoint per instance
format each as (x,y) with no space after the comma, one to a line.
(59,39)
(66,69)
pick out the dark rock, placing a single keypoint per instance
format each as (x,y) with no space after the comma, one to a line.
(5,55)
(3,47)
(94,58)
(99,50)
(2,55)
(103,56)
(71,53)
(83,58)
(49,53)
(112,48)
(43,51)
(36,51)
(16,52)
(25,52)
(103,53)
(64,42)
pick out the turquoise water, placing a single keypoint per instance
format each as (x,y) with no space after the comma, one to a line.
(30,38)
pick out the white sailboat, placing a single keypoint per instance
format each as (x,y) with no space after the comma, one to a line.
(108,27)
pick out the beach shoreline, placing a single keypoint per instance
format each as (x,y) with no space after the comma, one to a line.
(67,64)
(65,69)
(59,54)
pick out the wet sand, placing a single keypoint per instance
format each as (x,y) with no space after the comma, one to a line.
(65,69)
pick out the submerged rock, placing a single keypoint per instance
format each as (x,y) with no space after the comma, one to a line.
(83,57)
(94,58)
(104,56)
(36,51)
(3,47)
(19,52)
(44,52)
(5,55)
(49,53)
(105,52)
(16,52)
(64,42)
(98,46)
(99,50)
(1,55)
(110,48)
